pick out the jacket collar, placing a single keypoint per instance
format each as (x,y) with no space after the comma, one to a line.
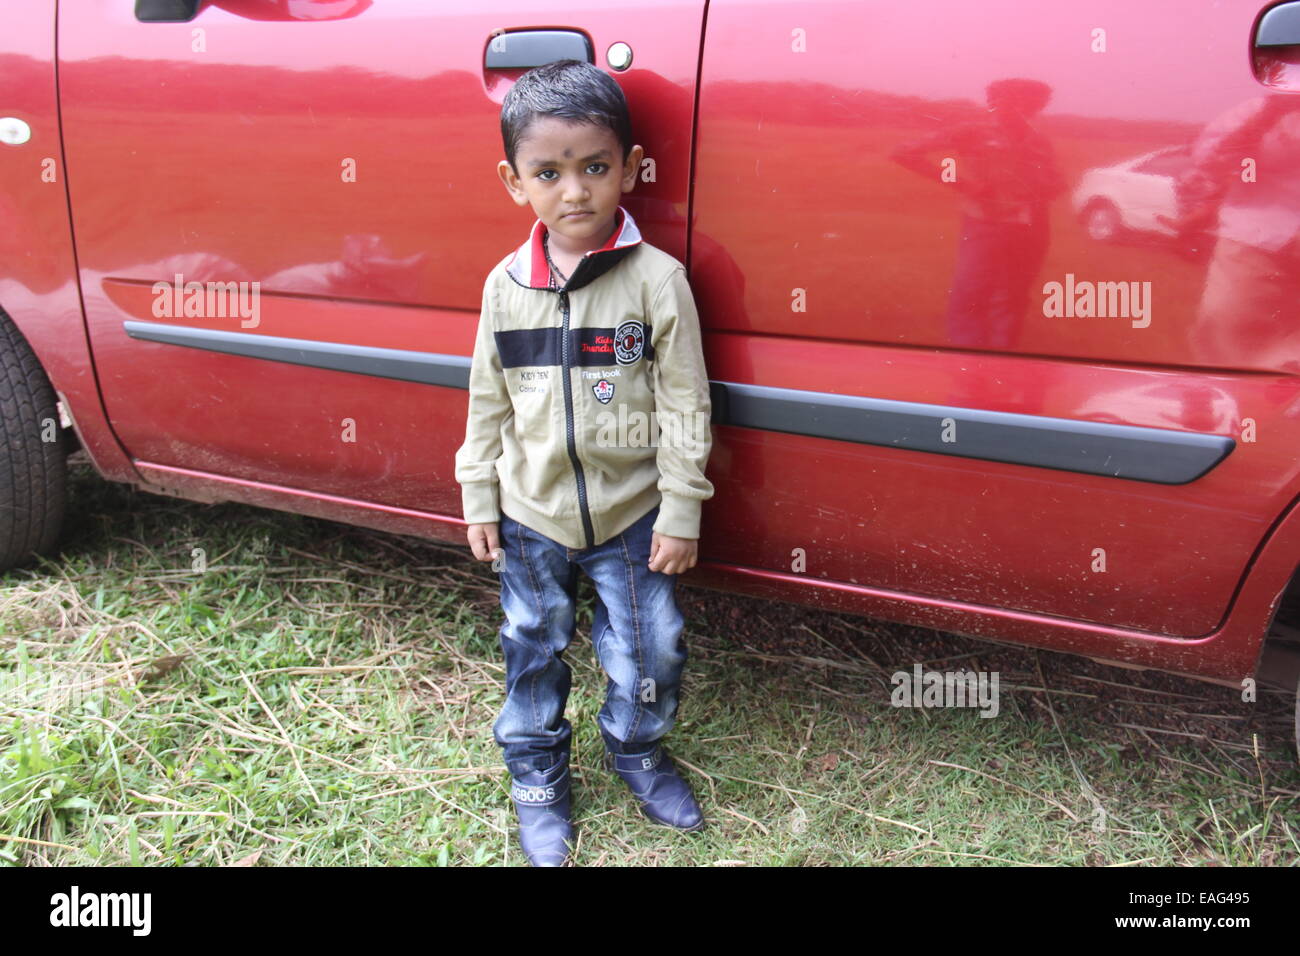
(528,264)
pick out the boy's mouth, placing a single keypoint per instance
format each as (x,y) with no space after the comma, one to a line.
(576,215)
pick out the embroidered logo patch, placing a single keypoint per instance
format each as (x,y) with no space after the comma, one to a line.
(603,391)
(629,342)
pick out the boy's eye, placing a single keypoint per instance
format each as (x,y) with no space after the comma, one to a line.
(599,167)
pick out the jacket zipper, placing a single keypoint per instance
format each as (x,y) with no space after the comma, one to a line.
(568,422)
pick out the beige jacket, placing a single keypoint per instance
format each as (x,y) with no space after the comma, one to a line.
(588,405)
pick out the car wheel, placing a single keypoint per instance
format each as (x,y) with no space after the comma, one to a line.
(1101,220)
(33,454)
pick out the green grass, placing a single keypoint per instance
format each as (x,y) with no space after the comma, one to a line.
(322,694)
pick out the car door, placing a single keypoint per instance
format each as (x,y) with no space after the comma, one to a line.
(937,383)
(338,160)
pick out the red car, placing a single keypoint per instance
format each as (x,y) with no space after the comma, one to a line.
(245,239)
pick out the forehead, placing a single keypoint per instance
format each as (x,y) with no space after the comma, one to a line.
(551,138)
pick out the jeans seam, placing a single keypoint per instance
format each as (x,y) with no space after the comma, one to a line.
(598,643)
(630,577)
(540,601)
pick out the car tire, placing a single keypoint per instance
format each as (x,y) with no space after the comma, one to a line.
(1102,221)
(1296,740)
(33,472)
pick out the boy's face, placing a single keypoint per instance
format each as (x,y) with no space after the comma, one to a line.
(567,167)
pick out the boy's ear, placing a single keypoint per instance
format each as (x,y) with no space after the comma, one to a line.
(632,167)
(513,184)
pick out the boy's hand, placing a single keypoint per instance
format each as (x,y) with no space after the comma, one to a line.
(483,540)
(672,555)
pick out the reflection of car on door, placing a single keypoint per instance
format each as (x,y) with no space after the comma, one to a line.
(1131,198)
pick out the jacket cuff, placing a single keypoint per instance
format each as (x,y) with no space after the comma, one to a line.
(479,502)
(679,517)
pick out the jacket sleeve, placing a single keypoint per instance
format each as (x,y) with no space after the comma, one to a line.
(682,408)
(490,411)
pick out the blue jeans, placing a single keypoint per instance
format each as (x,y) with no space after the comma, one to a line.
(997,263)
(636,631)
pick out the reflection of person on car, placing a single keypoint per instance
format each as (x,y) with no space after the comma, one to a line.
(1241,186)
(1006,174)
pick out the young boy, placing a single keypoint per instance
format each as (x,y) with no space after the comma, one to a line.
(585,449)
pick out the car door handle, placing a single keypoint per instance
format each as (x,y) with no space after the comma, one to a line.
(166,11)
(1276,56)
(1279,26)
(525,49)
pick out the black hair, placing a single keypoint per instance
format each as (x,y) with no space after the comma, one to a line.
(569,90)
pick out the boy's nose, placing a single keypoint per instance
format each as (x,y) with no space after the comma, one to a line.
(574,191)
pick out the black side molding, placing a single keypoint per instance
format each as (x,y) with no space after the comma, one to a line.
(1138,453)
(1157,455)
(427,368)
